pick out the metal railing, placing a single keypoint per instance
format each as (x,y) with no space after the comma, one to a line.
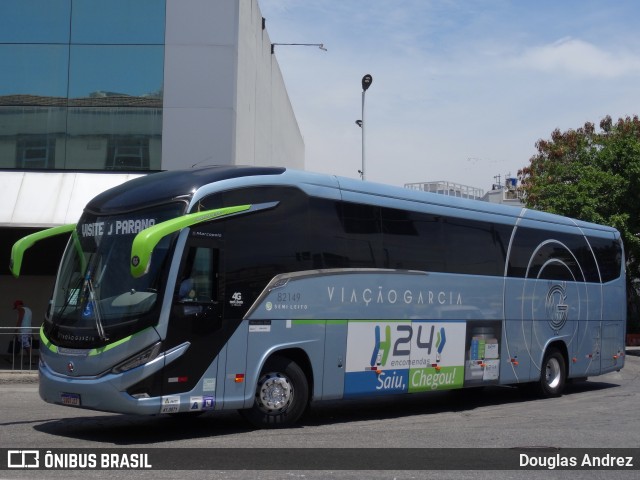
(12,355)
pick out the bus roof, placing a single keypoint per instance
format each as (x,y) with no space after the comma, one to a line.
(161,187)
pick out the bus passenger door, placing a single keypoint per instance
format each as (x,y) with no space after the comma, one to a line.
(196,317)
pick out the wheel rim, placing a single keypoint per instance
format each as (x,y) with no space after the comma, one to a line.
(553,373)
(275,393)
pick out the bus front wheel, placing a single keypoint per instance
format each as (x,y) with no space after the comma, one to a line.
(552,374)
(282,395)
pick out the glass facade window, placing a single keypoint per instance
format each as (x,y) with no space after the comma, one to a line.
(114,138)
(81,84)
(99,71)
(22,127)
(36,151)
(35,21)
(118,22)
(33,70)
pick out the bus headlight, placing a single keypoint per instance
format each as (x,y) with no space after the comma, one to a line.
(139,359)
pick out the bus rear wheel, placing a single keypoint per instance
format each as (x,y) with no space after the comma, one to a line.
(552,374)
(282,395)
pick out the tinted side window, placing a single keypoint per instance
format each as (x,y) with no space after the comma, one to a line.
(261,245)
(327,240)
(413,241)
(475,248)
(198,276)
(551,255)
(419,241)
(363,235)
(609,256)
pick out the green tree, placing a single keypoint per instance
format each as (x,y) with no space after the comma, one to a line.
(593,175)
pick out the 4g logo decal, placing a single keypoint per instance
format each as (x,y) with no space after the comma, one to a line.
(236,300)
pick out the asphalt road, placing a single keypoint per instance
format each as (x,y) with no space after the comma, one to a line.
(602,412)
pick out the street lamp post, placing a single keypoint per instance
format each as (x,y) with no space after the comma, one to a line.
(366,83)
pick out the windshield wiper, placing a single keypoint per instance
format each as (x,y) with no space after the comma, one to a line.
(70,296)
(95,309)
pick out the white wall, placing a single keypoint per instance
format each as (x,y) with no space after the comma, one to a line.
(199,82)
(286,140)
(266,128)
(47,199)
(225,101)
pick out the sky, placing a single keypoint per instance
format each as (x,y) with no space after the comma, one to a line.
(462,89)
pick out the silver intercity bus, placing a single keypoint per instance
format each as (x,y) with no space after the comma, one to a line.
(262,289)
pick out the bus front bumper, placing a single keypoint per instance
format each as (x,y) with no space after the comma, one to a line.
(107,392)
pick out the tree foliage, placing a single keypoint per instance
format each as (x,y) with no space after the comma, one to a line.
(592,175)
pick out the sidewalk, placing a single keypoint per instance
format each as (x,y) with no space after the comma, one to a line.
(31,376)
(11,374)
(18,376)
(635,351)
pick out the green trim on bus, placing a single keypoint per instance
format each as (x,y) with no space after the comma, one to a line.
(94,351)
(100,350)
(46,342)
(18,249)
(145,241)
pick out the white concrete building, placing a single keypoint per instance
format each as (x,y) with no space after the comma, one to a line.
(95,92)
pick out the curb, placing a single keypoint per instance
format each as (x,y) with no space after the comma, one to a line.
(18,376)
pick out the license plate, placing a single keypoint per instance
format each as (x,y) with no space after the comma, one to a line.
(72,399)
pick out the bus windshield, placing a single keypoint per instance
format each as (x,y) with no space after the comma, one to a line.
(95,294)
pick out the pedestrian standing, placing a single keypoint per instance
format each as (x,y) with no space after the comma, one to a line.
(23,326)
